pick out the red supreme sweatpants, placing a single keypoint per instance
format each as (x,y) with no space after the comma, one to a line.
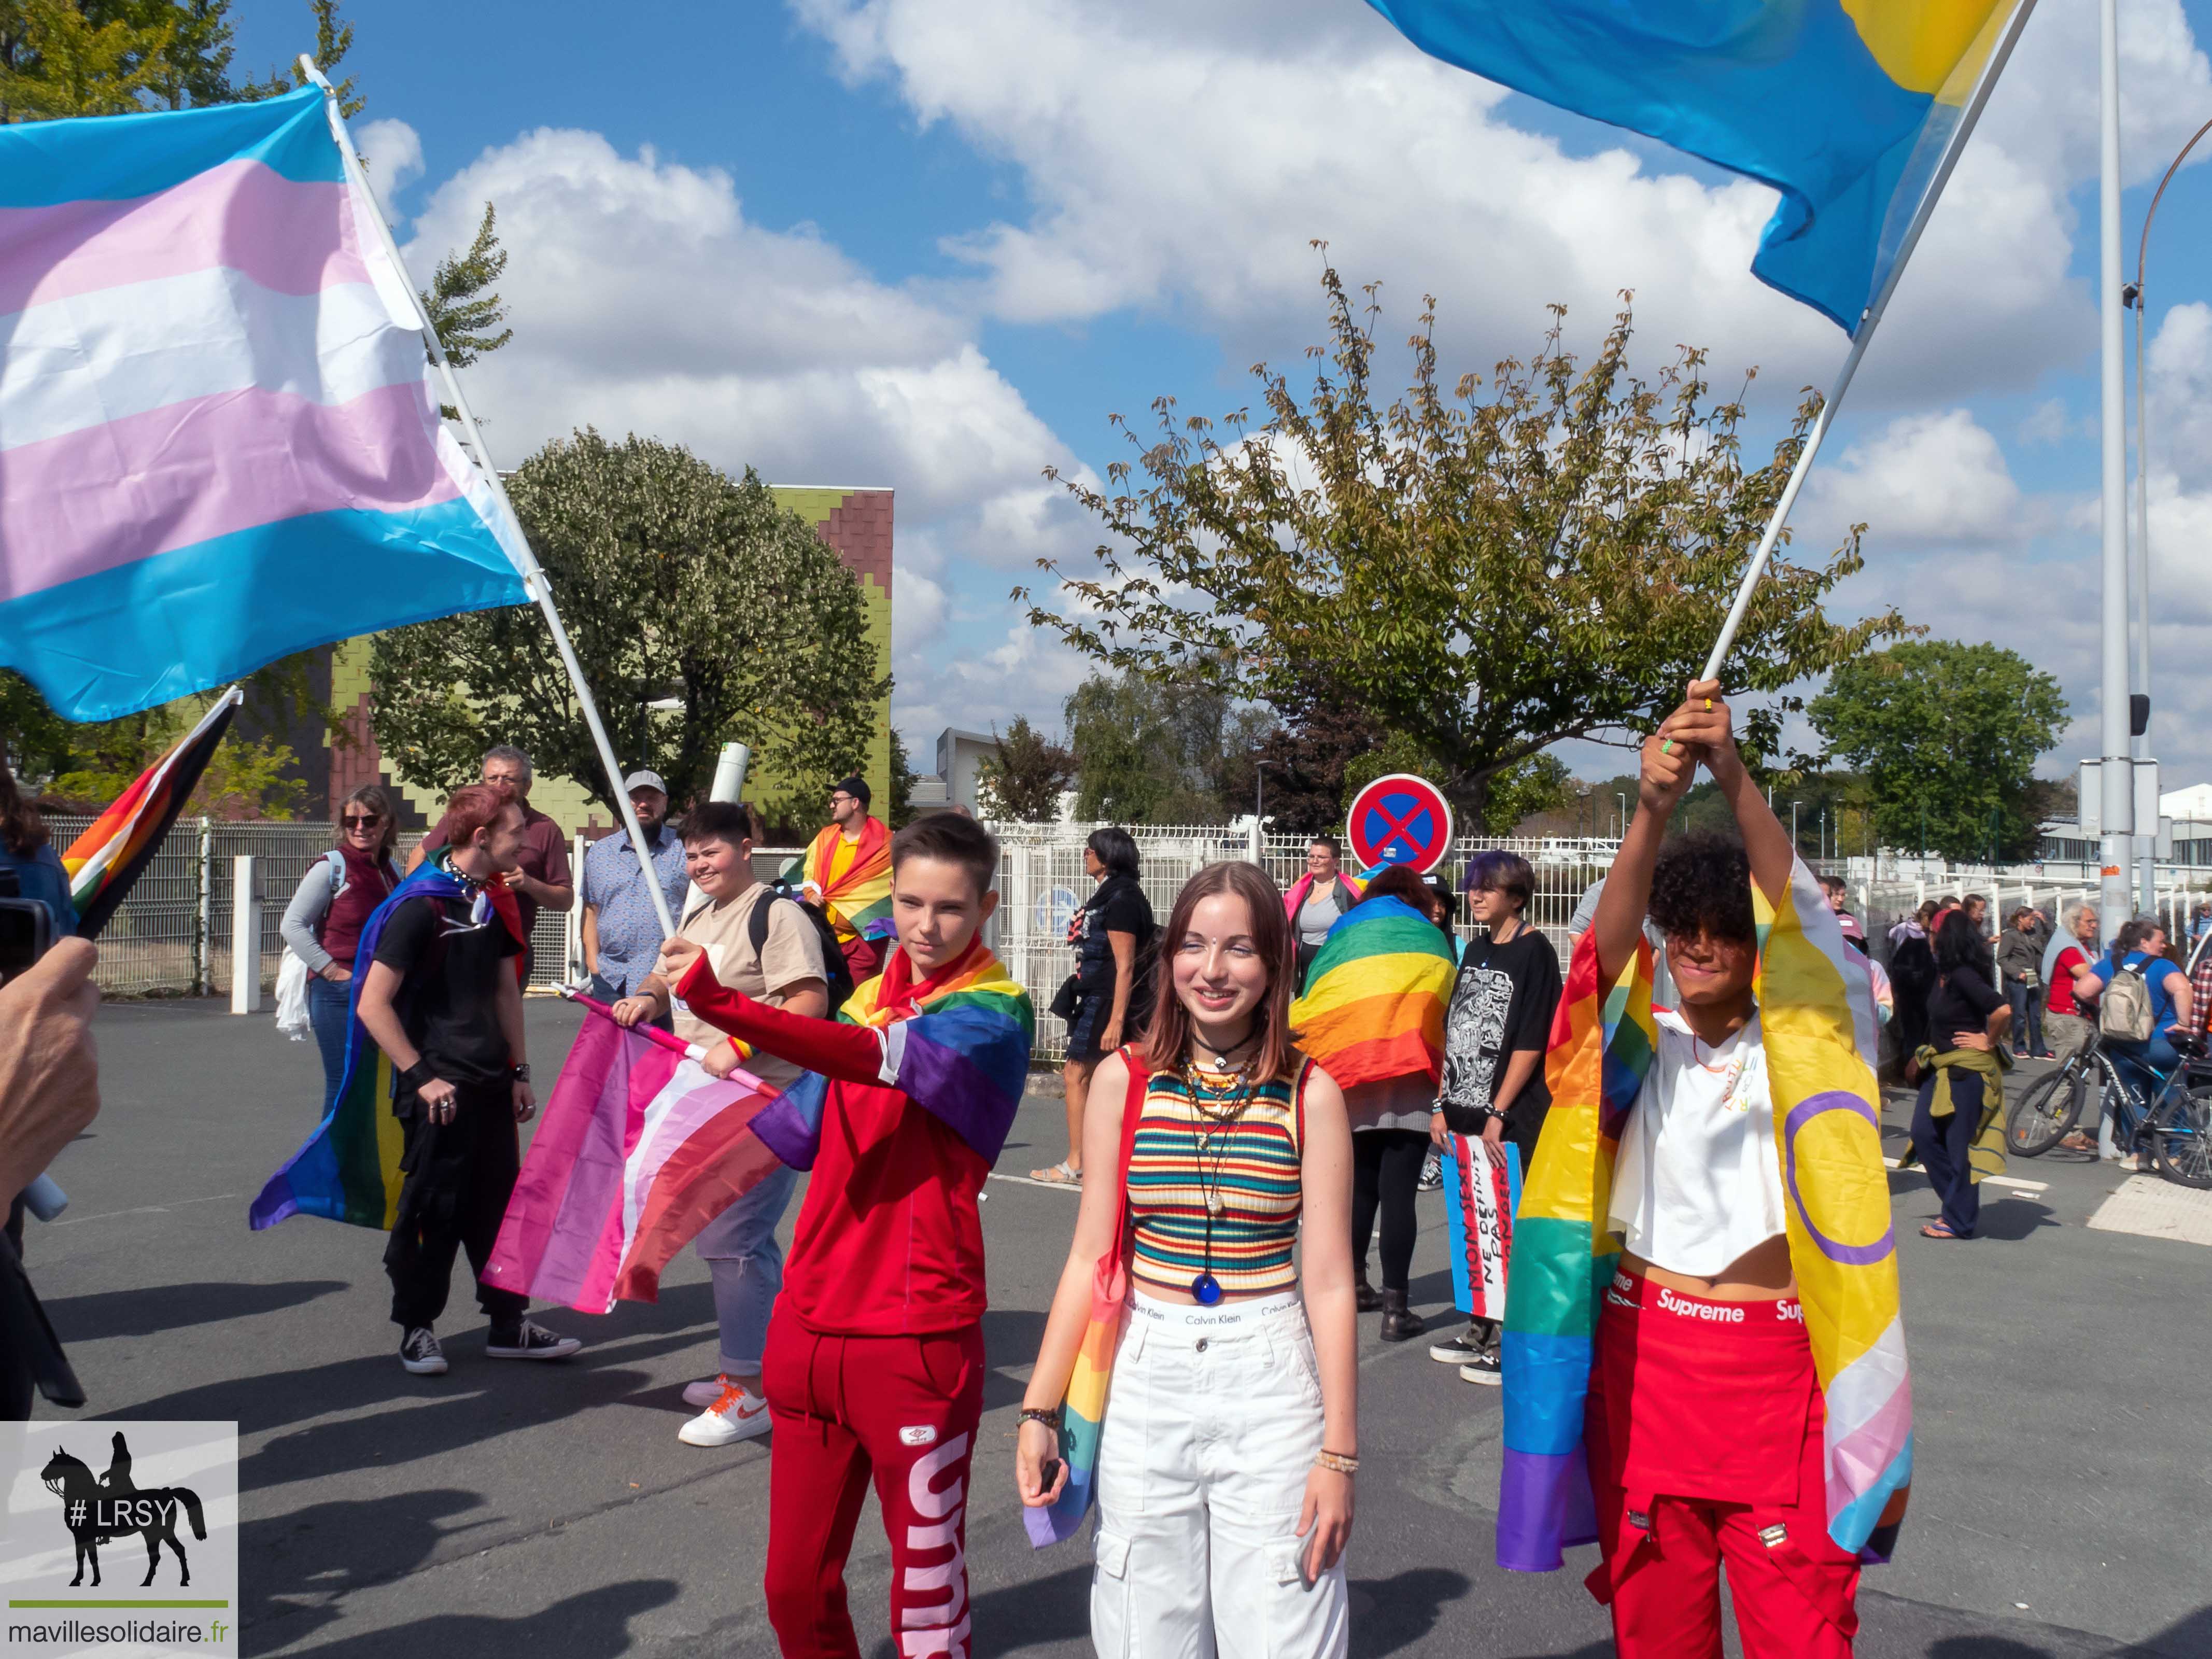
(901,1410)
(1704,1430)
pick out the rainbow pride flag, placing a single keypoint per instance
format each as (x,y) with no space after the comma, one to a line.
(1816,1018)
(640,1149)
(116,847)
(213,394)
(1375,998)
(349,1169)
(1846,106)
(850,879)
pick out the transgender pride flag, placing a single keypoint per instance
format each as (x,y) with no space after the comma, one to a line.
(218,440)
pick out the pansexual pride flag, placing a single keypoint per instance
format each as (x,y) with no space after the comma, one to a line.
(1816,1021)
(218,440)
(639,1149)
(1375,998)
(1846,106)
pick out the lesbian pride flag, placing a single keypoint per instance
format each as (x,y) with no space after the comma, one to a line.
(640,1149)
(218,440)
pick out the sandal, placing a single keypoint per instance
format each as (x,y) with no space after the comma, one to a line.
(1937,1230)
(1060,1175)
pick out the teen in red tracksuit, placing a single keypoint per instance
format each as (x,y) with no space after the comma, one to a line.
(874,1361)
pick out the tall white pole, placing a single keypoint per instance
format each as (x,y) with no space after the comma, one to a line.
(2139,579)
(533,579)
(1864,334)
(2116,774)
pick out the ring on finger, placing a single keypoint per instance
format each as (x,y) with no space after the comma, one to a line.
(1709,705)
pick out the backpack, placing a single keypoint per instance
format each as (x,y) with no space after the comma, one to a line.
(2123,1014)
(835,970)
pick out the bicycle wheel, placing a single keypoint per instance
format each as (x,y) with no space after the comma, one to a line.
(2181,1139)
(2041,1118)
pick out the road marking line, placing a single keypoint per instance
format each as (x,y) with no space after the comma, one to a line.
(1986,1181)
(144,1209)
(2150,1207)
(1054,1186)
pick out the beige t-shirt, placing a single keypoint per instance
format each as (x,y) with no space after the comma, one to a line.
(792,952)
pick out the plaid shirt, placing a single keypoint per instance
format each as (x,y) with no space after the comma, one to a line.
(2200,992)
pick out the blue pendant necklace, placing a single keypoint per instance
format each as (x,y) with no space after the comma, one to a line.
(1206,1289)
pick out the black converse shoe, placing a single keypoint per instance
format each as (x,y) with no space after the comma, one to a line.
(1455,1350)
(420,1353)
(530,1341)
(1483,1368)
(1432,1173)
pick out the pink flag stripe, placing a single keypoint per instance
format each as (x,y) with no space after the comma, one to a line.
(75,506)
(1857,1458)
(718,1165)
(579,1260)
(288,236)
(665,1134)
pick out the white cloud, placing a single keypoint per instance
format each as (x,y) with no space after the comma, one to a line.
(1928,479)
(393,152)
(643,300)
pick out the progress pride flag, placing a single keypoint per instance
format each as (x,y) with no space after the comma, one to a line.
(218,440)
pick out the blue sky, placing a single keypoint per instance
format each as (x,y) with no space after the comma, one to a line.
(934,243)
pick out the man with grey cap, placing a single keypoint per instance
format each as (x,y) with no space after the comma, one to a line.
(622,930)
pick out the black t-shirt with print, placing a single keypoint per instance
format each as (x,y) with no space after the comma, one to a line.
(1502,1004)
(449,967)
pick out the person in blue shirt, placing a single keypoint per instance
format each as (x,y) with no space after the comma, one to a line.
(25,849)
(2140,943)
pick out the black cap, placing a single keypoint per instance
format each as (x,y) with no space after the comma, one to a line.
(857,787)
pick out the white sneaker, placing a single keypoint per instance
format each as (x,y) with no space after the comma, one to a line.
(705,1391)
(737,1415)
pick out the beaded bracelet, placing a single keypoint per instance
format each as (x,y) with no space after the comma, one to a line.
(1050,1418)
(1336,1461)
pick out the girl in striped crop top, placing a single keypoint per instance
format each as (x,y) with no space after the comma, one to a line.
(1211,1142)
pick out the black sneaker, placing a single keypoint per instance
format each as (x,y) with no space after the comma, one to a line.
(1483,1368)
(531,1341)
(1432,1173)
(1455,1350)
(420,1353)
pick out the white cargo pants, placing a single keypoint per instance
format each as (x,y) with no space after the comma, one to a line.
(1211,1425)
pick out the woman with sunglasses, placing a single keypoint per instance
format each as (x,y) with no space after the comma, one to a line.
(323,922)
(1229,1437)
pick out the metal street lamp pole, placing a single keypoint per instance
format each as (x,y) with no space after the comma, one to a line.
(2146,863)
(2116,773)
(1622,797)
(1793,848)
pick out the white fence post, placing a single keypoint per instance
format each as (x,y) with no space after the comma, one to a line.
(203,938)
(244,937)
(572,919)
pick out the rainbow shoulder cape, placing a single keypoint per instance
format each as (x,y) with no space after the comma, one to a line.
(1816,1016)
(349,1169)
(851,879)
(1375,998)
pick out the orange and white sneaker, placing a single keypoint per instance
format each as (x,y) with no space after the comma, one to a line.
(738,1413)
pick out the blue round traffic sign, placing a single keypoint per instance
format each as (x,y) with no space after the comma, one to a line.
(1400,819)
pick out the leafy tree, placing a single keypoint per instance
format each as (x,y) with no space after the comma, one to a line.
(1155,750)
(461,309)
(898,811)
(1947,734)
(71,57)
(675,581)
(1485,574)
(1023,778)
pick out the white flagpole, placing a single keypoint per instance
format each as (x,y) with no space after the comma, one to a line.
(533,578)
(1868,323)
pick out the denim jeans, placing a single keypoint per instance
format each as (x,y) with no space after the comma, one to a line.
(330,1012)
(746,1263)
(2026,1017)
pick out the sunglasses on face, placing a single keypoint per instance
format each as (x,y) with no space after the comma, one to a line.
(363,820)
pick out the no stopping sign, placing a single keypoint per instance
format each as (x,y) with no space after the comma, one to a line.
(1400,819)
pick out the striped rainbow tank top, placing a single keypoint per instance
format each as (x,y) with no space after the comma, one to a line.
(1173,1164)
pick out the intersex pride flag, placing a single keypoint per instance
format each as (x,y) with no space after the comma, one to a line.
(640,1149)
(218,440)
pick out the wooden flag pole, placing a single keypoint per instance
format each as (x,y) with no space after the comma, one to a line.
(1868,322)
(533,574)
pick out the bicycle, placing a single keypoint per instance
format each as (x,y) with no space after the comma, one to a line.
(2174,1127)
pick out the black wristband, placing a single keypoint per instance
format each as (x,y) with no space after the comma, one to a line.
(416,1075)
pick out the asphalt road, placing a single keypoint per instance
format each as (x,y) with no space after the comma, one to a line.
(2062,1378)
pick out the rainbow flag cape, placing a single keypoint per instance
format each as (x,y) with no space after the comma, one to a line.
(1816,1017)
(1846,106)
(213,394)
(1375,998)
(962,1056)
(349,1169)
(641,1148)
(850,879)
(116,847)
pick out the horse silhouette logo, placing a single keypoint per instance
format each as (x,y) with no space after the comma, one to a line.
(99,1509)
